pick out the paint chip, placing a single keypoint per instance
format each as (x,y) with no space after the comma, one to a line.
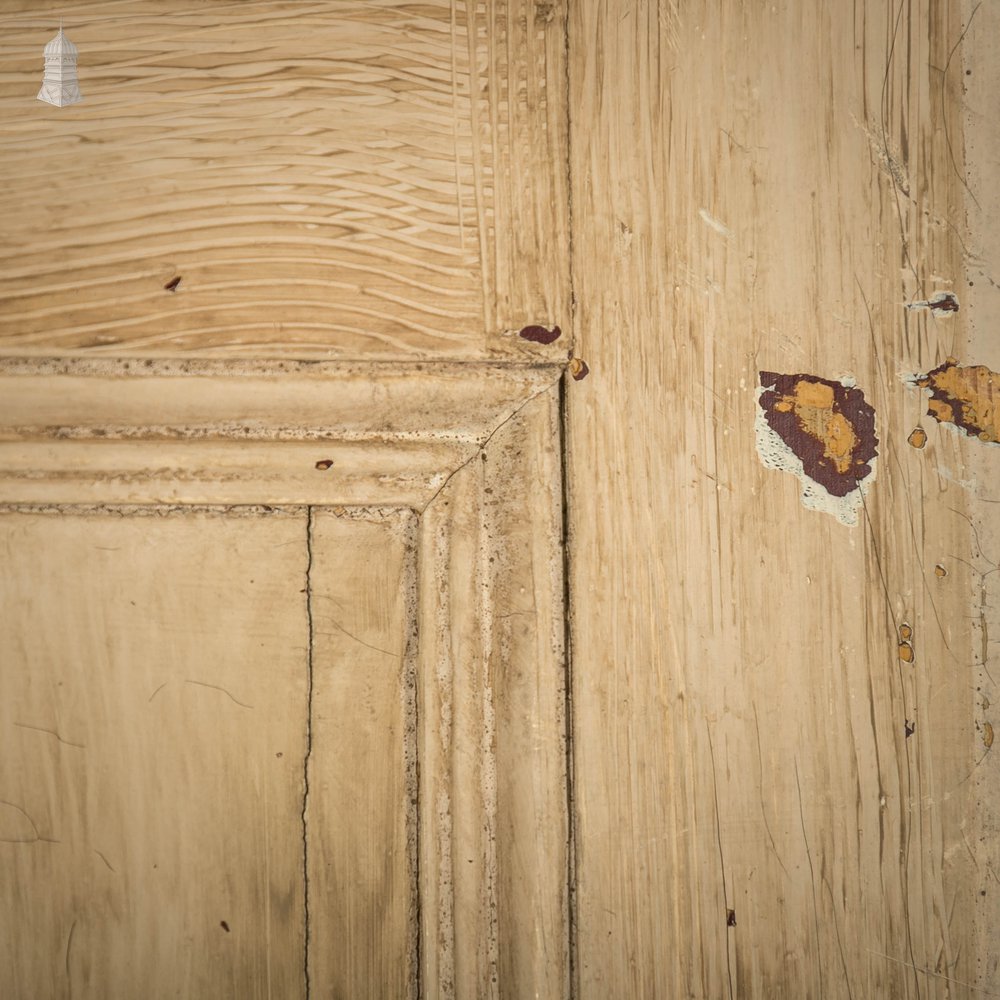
(578,369)
(917,438)
(905,632)
(967,397)
(940,304)
(905,650)
(822,431)
(540,334)
(324,463)
(987,735)
(940,571)
(171,285)
(909,728)
(730,918)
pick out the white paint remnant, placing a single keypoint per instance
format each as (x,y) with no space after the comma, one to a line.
(714,223)
(972,485)
(775,454)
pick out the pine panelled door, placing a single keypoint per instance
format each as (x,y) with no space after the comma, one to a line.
(498,500)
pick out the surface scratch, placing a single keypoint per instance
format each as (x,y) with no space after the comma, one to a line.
(216,687)
(722,859)
(51,732)
(69,944)
(812,877)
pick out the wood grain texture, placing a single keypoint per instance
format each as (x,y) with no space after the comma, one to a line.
(769,801)
(981,78)
(361,812)
(494,856)
(224,432)
(432,808)
(152,725)
(372,178)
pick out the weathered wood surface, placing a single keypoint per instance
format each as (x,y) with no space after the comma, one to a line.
(764,187)
(361,810)
(268,432)
(768,800)
(327,179)
(155,666)
(430,813)
(982,545)
(494,840)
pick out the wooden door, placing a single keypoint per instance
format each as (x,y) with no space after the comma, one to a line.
(281,503)
(797,793)
(462,329)
(283,716)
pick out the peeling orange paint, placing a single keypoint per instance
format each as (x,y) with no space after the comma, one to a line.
(966,396)
(917,438)
(905,651)
(905,632)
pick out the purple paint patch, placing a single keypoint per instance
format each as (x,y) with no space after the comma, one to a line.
(828,426)
(943,302)
(540,334)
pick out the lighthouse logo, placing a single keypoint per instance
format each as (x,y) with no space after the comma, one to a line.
(60,85)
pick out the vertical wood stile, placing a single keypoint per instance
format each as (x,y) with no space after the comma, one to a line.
(765,188)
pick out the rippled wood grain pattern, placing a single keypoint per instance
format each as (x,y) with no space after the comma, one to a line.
(327,179)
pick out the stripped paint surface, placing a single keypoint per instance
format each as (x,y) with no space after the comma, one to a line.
(965,396)
(822,431)
(349,179)
(748,737)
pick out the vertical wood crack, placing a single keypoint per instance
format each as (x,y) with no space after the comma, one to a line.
(571,900)
(308,753)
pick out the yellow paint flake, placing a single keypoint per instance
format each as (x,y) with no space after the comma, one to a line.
(968,396)
(812,403)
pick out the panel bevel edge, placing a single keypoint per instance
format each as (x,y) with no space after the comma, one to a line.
(216,432)
(507,464)
(494,840)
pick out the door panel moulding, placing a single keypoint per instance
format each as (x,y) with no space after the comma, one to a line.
(475,451)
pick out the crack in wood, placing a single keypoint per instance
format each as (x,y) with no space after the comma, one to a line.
(308,752)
